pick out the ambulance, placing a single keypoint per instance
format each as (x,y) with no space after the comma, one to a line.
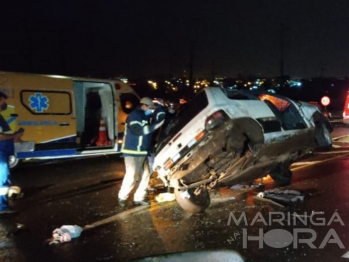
(65,117)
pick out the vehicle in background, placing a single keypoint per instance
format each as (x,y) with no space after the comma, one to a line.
(323,109)
(66,116)
(224,137)
(346,111)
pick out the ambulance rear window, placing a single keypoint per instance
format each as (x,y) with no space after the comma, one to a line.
(45,102)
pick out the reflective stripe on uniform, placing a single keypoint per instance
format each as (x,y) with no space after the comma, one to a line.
(128,151)
(4,190)
(146,130)
(124,140)
(136,123)
(140,141)
(159,114)
(159,124)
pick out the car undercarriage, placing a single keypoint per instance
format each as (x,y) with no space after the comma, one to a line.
(236,151)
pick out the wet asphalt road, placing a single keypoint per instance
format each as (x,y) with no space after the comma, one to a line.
(84,192)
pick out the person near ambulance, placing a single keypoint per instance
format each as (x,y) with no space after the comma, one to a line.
(7,139)
(159,115)
(162,113)
(135,148)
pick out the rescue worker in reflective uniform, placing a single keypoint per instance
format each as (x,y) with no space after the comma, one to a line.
(135,148)
(7,139)
(159,115)
(162,113)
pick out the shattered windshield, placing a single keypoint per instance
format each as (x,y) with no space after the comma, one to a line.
(184,116)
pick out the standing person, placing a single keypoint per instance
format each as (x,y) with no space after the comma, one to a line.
(7,140)
(135,147)
(162,114)
(158,117)
(170,114)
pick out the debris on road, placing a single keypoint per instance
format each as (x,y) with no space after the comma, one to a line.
(163,197)
(268,201)
(65,234)
(284,197)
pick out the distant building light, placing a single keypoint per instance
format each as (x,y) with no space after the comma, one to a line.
(153,84)
(293,83)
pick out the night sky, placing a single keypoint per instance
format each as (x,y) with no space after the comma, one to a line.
(155,38)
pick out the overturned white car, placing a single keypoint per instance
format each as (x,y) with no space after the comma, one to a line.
(222,137)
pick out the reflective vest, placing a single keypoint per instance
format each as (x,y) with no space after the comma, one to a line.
(137,135)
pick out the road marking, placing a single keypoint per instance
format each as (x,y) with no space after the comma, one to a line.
(305,163)
(339,137)
(332,152)
(322,161)
(336,146)
(117,217)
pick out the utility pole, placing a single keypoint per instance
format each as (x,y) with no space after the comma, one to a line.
(191,66)
(282,31)
(212,72)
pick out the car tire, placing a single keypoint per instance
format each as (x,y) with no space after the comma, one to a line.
(323,137)
(282,175)
(192,203)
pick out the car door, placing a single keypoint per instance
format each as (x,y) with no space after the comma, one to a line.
(46,111)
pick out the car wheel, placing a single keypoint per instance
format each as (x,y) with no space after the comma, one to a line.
(323,137)
(193,202)
(281,175)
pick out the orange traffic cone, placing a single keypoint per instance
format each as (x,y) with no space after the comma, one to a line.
(102,135)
